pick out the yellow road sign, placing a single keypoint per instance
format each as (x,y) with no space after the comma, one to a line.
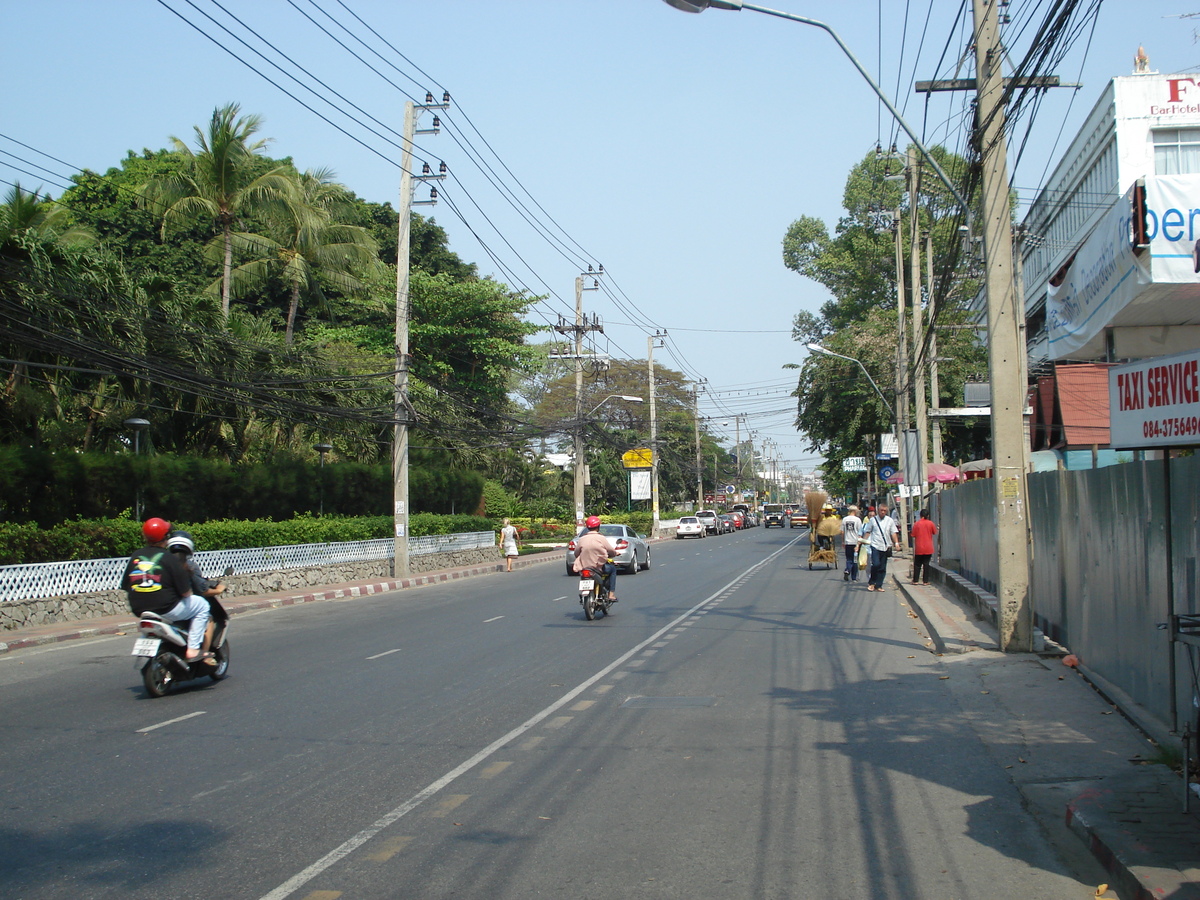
(641,458)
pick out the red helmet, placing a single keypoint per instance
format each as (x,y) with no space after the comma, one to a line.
(592,522)
(156,529)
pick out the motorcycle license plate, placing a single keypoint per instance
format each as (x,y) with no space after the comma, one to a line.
(146,647)
(586,584)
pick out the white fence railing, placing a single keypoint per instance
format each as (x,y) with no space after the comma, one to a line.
(36,581)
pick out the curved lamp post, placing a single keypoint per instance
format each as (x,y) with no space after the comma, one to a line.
(699,6)
(817,348)
(138,426)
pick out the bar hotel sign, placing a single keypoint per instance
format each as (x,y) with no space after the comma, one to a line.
(1155,402)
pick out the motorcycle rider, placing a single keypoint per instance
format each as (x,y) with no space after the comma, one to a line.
(156,581)
(183,546)
(594,551)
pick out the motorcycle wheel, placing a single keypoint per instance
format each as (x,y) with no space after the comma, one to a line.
(222,667)
(157,677)
(589,605)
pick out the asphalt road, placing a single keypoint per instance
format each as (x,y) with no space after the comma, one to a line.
(740,727)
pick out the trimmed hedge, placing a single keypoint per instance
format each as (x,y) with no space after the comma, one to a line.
(48,488)
(104,538)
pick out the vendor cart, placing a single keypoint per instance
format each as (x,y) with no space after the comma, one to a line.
(823,528)
(821,550)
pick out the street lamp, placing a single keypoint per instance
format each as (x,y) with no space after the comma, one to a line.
(817,348)
(616,397)
(902,462)
(322,449)
(699,6)
(579,452)
(1004,317)
(138,425)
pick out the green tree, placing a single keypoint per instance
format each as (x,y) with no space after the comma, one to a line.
(308,247)
(222,182)
(836,407)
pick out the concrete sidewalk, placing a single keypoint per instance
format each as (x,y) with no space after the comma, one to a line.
(1079,763)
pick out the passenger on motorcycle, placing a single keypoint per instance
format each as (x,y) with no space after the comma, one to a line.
(593,551)
(156,581)
(182,545)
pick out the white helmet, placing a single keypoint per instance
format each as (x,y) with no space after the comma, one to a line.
(181,540)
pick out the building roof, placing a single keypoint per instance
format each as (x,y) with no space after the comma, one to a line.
(1079,411)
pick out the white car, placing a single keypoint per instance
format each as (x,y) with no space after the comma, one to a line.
(689,526)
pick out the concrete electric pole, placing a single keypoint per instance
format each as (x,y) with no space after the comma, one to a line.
(1005,347)
(652,341)
(403,413)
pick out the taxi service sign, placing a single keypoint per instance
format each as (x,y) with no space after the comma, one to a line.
(641,458)
(1155,402)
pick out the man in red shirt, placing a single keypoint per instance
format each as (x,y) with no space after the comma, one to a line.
(923,531)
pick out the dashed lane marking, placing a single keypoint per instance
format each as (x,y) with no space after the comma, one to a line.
(447,805)
(384,653)
(170,722)
(389,848)
(494,769)
(351,844)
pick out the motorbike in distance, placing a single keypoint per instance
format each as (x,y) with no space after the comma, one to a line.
(163,644)
(592,595)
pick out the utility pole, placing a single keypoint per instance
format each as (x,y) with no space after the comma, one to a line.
(696,389)
(581,326)
(1005,348)
(901,375)
(652,341)
(934,387)
(402,410)
(919,408)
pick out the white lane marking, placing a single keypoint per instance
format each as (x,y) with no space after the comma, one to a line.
(347,847)
(493,619)
(384,653)
(169,722)
(556,599)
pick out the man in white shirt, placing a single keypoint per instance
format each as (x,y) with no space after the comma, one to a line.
(851,526)
(881,532)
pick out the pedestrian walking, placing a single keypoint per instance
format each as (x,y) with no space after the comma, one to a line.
(851,526)
(923,531)
(883,536)
(508,543)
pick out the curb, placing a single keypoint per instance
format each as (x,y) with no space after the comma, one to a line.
(1110,821)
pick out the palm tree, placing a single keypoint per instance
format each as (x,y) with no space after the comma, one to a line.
(221,181)
(309,248)
(30,212)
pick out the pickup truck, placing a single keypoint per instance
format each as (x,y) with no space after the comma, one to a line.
(773,515)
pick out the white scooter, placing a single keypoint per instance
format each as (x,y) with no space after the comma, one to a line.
(164,645)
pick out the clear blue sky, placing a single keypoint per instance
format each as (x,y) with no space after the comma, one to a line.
(674,149)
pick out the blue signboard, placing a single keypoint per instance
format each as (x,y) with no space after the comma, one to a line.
(886,472)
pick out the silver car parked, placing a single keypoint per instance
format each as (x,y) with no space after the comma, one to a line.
(630,550)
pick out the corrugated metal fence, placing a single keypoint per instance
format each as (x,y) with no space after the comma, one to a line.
(1099,576)
(37,581)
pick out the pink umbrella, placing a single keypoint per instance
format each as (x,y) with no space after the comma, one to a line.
(898,478)
(940,473)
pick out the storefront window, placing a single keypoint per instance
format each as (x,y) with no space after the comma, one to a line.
(1177,151)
